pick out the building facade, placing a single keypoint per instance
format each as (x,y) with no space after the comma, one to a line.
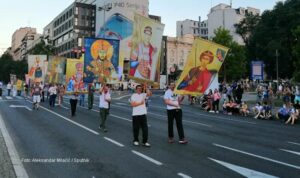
(28,42)
(67,31)
(17,41)
(226,17)
(196,28)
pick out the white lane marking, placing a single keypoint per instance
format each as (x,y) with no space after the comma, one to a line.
(198,123)
(183,175)
(294,143)
(62,106)
(69,120)
(9,97)
(243,171)
(121,97)
(20,106)
(14,156)
(147,158)
(257,156)
(114,142)
(122,118)
(293,152)
(124,104)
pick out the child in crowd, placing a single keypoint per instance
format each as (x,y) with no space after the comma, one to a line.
(244,111)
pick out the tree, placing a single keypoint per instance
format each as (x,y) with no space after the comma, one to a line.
(274,31)
(9,66)
(42,48)
(235,64)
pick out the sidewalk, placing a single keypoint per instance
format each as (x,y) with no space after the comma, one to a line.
(6,168)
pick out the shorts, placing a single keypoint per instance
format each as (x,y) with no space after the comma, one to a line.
(36,98)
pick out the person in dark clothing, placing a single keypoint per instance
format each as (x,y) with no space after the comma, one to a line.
(239,94)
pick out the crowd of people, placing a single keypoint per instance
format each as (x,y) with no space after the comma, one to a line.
(230,97)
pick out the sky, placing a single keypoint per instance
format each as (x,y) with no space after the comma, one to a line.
(39,13)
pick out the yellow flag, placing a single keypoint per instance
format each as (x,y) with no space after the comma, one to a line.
(201,68)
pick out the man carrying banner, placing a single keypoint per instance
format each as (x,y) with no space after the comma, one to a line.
(174,111)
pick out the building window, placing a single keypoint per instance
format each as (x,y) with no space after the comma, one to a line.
(76,21)
(76,10)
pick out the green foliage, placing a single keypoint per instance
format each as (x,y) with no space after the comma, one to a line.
(235,65)
(9,66)
(41,49)
(275,30)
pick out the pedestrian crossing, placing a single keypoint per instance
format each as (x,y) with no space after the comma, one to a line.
(9,98)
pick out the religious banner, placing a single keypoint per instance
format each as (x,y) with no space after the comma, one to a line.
(36,67)
(19,85)
(101,60)
(74,76)
(55,70)
(145,49)
(201,68)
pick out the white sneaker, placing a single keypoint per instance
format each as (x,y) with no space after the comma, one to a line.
(136,143)
(146,144)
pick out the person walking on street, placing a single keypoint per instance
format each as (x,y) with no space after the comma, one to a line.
(1,86)
(52,93)
(36,95)
(61,93)
(104,102)
(73,103)
(91,91)
(174,111)
(8,87)
(139,115)
(216,100)
(42,86)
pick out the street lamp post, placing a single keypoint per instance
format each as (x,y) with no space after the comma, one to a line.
(105,8)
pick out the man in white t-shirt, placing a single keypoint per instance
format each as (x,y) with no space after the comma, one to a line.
(104,104)
(8,87)
(139,115)
(174,111)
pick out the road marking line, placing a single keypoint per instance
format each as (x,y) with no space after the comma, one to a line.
(121,97)
(9,97)
(257,156)
(13,154)
(183,175)
(242,170)
(293,152)
(294,143)
(114,142)
(20,106)
(62,106)
(122,118)
(147,158)
(69,120)
(198,123)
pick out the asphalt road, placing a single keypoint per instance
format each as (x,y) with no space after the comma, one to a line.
(50,143)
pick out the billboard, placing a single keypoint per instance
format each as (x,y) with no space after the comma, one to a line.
(201,69)
(115,21)
(257,70)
